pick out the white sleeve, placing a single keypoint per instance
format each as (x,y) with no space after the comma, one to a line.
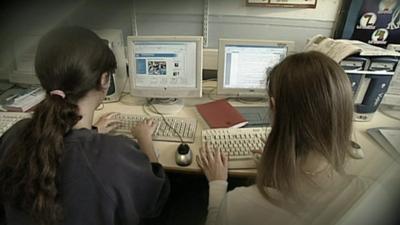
(217,192)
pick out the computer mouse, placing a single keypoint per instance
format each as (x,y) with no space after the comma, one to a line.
(183,155)
(356,150)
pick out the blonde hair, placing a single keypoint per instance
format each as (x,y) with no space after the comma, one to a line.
(313,112)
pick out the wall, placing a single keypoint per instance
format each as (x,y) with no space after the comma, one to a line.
(33,18)
(233,19)
(227,19)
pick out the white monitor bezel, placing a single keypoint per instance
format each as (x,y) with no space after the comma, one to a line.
(165,92)
(244,92)
(115,41)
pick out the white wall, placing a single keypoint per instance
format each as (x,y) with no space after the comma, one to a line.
(35,17)
(233,19)
(227,19)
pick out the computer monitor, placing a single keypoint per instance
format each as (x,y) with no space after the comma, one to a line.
(24,60)
(166,67)
(392,96)
(25,50)
(114,39)
(390,104)
(243,65)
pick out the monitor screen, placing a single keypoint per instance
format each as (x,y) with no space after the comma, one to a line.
(244,65)
(165,67)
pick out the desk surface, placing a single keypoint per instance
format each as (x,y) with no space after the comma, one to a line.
(375,162)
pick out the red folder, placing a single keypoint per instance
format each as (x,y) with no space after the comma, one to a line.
(221,114)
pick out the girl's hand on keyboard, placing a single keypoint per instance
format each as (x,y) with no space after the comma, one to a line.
(213,163)
(143,133)
(144,130)
(107,123)
(257,154)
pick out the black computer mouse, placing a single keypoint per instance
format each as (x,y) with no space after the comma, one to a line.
(183,155)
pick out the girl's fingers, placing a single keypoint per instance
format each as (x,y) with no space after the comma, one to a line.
(203,156)
(210,155)
(257,151)
(217,155)
(112,126)
(113,121)
(199,162)
(224,158)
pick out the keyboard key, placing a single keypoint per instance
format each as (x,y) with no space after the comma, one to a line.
(8,119)
(185,127)
(237,143)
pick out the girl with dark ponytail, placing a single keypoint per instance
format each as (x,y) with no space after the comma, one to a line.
(56,169)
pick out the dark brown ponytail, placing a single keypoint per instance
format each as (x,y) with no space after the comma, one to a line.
(29,169)
(70,59)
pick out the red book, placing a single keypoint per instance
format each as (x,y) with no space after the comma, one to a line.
(221,114)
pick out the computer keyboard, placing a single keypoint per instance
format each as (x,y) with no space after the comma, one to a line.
(255,115)
(7,119)
(237,143)
(186,127)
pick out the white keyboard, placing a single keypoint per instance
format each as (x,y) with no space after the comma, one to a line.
(186,127)
(7,119)
(237,143)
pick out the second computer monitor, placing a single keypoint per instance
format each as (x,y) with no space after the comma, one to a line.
(165,66)
(243,65)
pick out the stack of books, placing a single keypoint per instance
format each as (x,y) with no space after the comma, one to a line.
(221,114)
(21,99)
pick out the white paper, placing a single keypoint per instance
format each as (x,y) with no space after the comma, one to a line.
(339,49)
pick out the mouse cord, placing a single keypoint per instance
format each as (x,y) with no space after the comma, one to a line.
(165,121)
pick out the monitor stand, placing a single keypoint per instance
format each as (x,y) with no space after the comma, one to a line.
(167,105)
(251,99)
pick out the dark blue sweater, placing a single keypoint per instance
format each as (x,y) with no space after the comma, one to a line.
(104,179)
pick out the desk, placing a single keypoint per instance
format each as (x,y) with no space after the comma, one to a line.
(376,160)
(375,163)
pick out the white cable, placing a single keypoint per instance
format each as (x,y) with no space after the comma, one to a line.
(133,18)
(205,23)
